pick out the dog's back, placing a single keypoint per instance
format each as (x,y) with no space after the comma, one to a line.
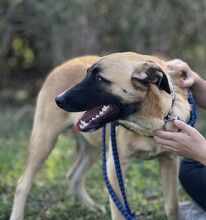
(49,121)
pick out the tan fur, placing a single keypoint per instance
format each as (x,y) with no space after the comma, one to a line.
(150,117)
(50,121)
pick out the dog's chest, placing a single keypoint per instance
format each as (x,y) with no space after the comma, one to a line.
(135,145)
(145,148)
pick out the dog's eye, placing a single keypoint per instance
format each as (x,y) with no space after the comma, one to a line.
(97,78)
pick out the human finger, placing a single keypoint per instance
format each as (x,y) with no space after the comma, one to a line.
(166,134)
(166,143)
(173,63)
(185,128)
(187,82)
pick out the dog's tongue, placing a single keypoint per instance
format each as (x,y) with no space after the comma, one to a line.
(93,118)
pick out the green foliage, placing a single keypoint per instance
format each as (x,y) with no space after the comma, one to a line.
(38,35)
(22,53)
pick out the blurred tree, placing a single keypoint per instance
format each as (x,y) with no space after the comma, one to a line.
(37,35)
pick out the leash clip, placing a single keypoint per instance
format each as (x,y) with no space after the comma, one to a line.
(171,118)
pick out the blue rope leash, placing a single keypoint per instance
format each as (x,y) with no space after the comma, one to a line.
(118,167)
(127,214)
(193,116)
(126,211)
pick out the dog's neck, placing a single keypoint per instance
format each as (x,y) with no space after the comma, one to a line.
(147,124)
(142,126)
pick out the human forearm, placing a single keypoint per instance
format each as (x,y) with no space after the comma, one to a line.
(199,92)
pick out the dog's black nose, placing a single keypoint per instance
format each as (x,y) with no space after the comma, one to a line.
(59,101)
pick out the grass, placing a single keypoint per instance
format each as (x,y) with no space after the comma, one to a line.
(50,198)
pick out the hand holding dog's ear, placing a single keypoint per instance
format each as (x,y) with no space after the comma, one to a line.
(151,74)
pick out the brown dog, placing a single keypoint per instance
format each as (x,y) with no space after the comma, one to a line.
(134,90)
(49,122)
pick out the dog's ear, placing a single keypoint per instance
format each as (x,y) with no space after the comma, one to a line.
(151,74)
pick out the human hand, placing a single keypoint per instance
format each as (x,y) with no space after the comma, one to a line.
(190,76)
(188,142)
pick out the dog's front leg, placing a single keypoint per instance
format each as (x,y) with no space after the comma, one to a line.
(48,123)
(169,169)
(116,215)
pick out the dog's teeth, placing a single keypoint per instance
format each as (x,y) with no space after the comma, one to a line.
(104,109)
(83,124)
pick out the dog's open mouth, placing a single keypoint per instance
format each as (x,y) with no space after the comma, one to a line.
(97,117)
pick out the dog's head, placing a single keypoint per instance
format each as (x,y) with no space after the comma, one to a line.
(116,87)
